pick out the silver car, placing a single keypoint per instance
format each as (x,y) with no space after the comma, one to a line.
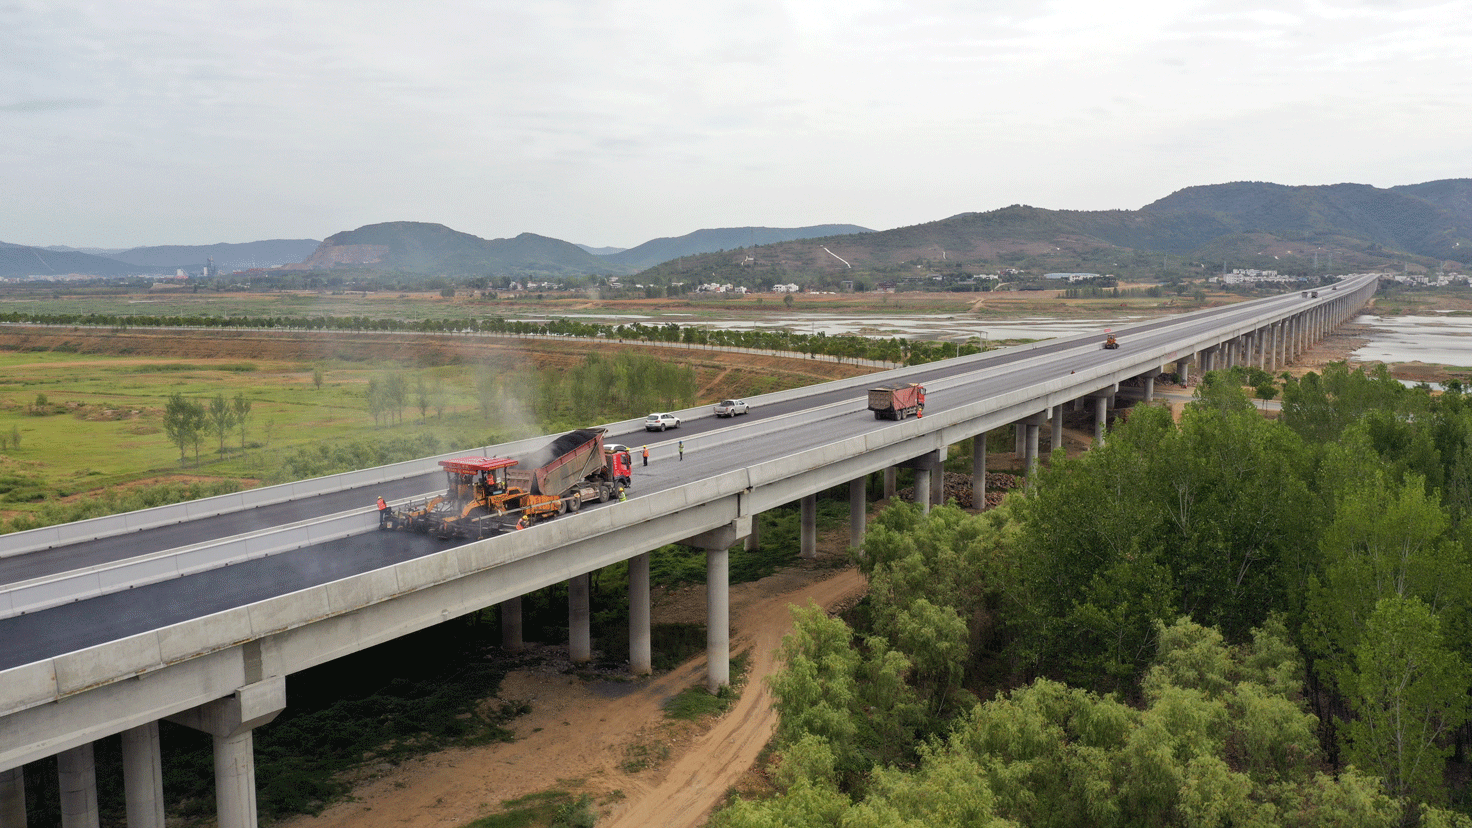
(660,422)
(730,408)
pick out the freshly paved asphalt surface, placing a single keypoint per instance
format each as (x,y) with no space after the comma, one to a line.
(74,626)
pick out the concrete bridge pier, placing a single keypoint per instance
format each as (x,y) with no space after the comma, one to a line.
(232,721)
(858,511)
(753,541)
(143,777)
(1055,430)
(1101,414)
(641,653)
(77,775)
(978,471)
(938,477)
(1149,384)
(924,466)
(1033,426)
(1183,367)
(717,544)
(511,635)
(579,630)
(889,485)
(808,528)
(13,798)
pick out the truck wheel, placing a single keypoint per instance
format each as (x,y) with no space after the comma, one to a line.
(575,502)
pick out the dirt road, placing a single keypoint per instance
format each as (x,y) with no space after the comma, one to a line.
(597,737)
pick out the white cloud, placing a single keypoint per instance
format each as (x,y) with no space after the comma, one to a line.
(614,122)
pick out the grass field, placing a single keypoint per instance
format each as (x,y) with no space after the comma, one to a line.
(88,405)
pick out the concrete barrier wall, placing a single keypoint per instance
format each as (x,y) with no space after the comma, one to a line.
(458,578)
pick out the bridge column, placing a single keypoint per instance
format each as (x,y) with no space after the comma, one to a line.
(889,486)
(978,471)
(232,721)
(1149,384)
(641,655)
(938,477)
(1183,367)
(753,541)
(13,798)
(579,632)
(808,543)
(922,489)
(511,635)
(1101,416)
(77,775)
(717,543)
(1055,431)
(858,511)
(1032,447)
(143,777)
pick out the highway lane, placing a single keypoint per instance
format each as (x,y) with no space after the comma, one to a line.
(764,435)
(1082,351)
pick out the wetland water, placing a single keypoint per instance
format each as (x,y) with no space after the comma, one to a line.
(1435,339)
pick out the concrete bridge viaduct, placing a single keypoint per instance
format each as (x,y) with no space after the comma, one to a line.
(223,670)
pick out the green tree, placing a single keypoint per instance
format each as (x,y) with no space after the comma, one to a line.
(421,397)
(220,418)
(184,420)
(1386,540)
(858,705)
(317,378)
(396,395)
(240,408)
(1408,693)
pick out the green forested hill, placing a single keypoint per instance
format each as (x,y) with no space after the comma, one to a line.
(1241,224)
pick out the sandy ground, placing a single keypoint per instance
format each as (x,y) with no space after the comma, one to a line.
(589,737)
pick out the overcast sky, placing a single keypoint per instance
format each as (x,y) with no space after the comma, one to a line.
(136,122)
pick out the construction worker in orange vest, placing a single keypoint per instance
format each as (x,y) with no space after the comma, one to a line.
(383,513)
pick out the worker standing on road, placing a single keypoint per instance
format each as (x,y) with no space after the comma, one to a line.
(621,496)
(646,455)
(382,513)
(681,448)
(522,522)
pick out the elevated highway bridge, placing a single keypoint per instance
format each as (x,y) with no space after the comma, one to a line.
(197,612)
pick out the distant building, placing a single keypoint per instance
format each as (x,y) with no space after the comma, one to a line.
(1251,276)
(1072,277)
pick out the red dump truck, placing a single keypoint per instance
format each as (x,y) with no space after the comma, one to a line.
(897,401)
(487,495)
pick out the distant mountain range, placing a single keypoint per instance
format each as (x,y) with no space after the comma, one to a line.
(653,252)
(227,257)
(1191,232)
(1241,224)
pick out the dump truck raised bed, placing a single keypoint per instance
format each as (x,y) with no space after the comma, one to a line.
(897,400)
(488,495)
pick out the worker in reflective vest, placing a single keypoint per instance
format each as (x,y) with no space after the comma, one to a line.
(383,513)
